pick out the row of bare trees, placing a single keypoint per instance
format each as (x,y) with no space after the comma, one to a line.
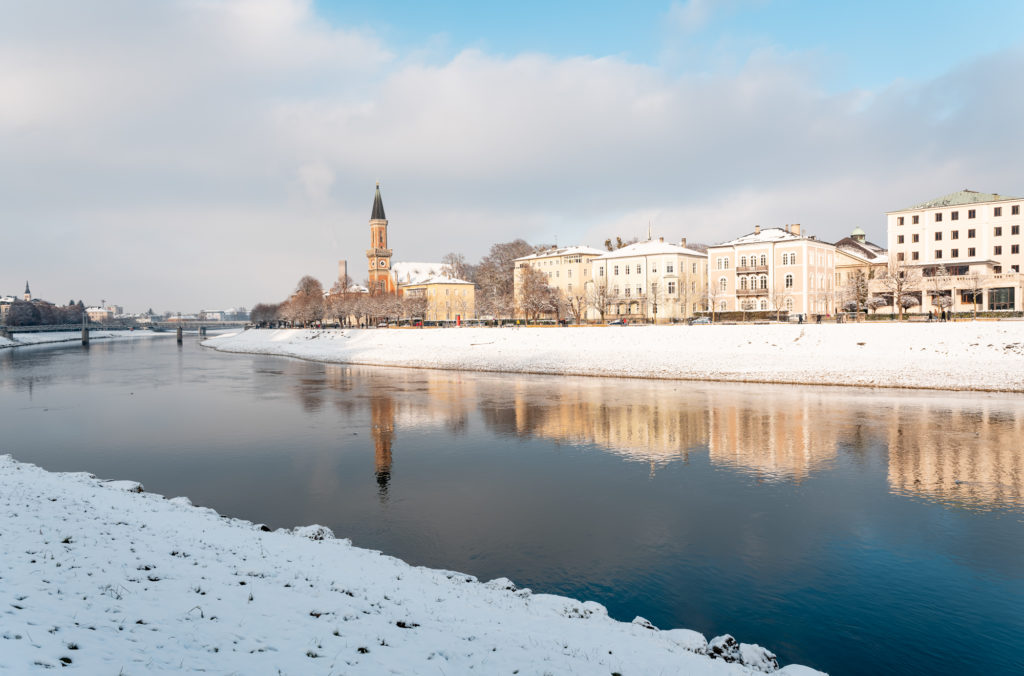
(310,306)
(42,313)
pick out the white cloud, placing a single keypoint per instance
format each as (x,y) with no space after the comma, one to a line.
(241,141)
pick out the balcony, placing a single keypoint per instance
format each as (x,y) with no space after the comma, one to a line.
(751,292)
(751,268)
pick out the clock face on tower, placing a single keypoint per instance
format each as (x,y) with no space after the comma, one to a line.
(382,263)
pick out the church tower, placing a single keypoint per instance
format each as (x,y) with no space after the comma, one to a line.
(379,255)
(28,294)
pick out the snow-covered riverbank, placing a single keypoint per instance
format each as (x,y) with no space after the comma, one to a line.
(103,579)
(48,337)
(955,356)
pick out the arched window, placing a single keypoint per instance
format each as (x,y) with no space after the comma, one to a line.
(764,259)
(792,259)
(764,281)
(764,304)
(789,281)
(723,284)
(743,261)
(789,304)
(722,306)
(743,283)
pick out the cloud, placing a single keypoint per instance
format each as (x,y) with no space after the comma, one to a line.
(234,146)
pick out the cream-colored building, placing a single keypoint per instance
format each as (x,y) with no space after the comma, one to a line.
(858,261)
(567,270)
(447,298)
(974,237)
(649,281)
(776,269)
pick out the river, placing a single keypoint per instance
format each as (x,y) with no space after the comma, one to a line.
(852,530)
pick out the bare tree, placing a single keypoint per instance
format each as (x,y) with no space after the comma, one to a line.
(308,301)
(495,277)
(901,281)
(711,295)
(535,296)
(976,288)
(619,243)
(598,296)
(576,304)
(777,298)
(940,287)
(457,267)
(856,291)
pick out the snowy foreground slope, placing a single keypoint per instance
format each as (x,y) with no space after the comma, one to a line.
(102,579)
(956,356)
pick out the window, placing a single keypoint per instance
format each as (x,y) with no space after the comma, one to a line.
(1015,210)
(915,256)
(727,263)
(600,271)
(1014,229)
(955,253)
(998,211)
(764,281)
(764,304)
(955,234)
(899,256)
(616,269)
(671,287)
(938,237)
(899,220)
(723,284)
(998,232)
(971,252)
(743,261)
(789,281)
(915,238)
(669,268)
(997,251)
(789,304)
(915,219)
(639,290)
(938,217)
(938,253)
(792,259)
(722,306)
(970,233)
(954,216)
(638,268)
(627,292)
(899,239)
(1015,248)
(970,213)
(764,259)
(743,283)
(568,288)
(654,267)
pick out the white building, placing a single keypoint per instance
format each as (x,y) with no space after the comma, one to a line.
(650,281)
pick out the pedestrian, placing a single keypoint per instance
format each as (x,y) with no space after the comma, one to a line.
(929,315)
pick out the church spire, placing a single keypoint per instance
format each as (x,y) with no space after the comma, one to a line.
(378,207)
(28,294)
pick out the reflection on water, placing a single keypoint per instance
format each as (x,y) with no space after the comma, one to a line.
(821,522)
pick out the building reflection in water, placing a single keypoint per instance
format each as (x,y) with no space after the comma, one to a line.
(948,448)
(967,457)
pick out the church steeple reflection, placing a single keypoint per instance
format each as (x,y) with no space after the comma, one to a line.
(382,428)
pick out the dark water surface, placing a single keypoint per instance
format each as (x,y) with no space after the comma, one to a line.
(855,531)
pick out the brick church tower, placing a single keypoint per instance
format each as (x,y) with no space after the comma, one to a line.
(379,255)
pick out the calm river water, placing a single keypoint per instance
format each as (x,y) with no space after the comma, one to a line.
(855,531)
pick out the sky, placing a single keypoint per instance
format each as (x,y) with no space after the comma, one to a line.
(205,154)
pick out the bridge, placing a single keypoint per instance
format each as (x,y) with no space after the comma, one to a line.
(186,325)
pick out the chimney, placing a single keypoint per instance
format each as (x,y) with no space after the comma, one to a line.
(682,242)
(786,228)
(795,229)
(757,229)
(661,239)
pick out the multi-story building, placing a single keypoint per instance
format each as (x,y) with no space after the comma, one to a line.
(649,281)
(567,270)
(447,299)
(858,261)
(972,240)
(776,269)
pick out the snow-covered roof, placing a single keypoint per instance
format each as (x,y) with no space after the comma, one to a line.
(407,272)
(563,251)
(958,198)
(439,279)
(649,248)
(765,235)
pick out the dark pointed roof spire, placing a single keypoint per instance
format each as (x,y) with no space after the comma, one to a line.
(26,287)
(378,207)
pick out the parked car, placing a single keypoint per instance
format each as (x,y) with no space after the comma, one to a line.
(700,320)
(616,322)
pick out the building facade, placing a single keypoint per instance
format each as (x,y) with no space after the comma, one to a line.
(446,299)
(772,269)
(966,247)
(568,271)
(649,281)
